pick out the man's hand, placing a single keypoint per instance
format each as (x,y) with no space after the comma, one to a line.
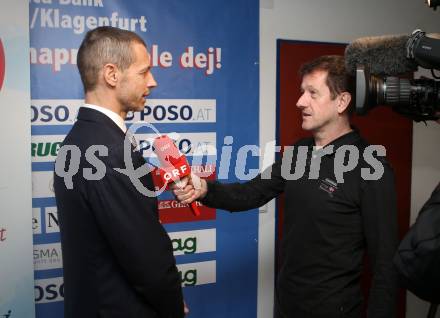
(189,189)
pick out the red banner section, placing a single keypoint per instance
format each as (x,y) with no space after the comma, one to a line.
(172,211)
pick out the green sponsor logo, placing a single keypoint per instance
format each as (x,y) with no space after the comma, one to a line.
(189,277)
(187,246)
(44,149)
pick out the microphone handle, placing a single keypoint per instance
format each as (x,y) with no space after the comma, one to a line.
(194,208)
(193,205)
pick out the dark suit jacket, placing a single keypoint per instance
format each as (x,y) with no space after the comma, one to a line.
(118,259)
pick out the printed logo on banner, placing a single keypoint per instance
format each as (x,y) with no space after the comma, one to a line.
(2,64)
(36,220)
(45,148)
(205,171)
(193,242)
(63,112)
(42,184)
(51,220)
(176,111)
(189,144)
(54,111)
(172,211)
(47,256)
(201,273)
(49,290)
(175,204)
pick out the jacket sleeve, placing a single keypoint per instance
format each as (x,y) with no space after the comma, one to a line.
(248,195)
(129,222)
(379,217)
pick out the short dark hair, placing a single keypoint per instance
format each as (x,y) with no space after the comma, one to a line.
(101,46)
(338,80)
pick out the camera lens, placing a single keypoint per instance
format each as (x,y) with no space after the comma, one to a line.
(397,91)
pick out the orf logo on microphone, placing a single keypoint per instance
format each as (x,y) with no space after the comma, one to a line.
(176,172)
(2,64)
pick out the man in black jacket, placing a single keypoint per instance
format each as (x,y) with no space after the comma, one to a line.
(418,257)
(338,207)
(118,259)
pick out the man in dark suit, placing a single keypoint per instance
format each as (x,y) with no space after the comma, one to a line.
(118,259)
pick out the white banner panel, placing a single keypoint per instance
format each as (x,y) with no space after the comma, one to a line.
(193,242)
(63,111)
(201,273)
(47,256)
(176,111)
(189,144)
(36,220)
(54,111)
(51,220)
(49,290)
(42,184)
(44,148)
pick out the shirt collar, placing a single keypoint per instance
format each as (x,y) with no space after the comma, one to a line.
(349,138)
(110,114)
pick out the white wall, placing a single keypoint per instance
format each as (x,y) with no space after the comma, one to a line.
(339,21)
(16,265)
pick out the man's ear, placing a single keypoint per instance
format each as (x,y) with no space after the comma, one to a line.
(111,74)
(344,101)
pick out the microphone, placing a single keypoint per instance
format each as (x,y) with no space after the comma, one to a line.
(394,54)
(381,55)
(173,165)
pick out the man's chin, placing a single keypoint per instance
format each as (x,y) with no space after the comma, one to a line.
(138,108)
(306,127)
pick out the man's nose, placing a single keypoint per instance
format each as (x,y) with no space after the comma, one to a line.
(301,103)
(151,82)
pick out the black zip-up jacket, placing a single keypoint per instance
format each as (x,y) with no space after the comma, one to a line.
(417,258)
(327,227)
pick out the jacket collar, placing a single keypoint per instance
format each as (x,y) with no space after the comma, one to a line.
(92,115)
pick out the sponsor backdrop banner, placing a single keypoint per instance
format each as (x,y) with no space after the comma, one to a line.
(16,269)
(205,60)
